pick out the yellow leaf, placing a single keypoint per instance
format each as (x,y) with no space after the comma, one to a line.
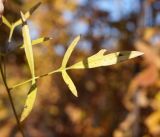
(38,41)
(29,101)
(28,14)
(65,76)
(28,45)
(19,22)
(101,59)
(6,22)
(69,83)
(29,55)
(69,51)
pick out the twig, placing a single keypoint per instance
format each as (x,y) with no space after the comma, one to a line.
(29,80)
(11,100)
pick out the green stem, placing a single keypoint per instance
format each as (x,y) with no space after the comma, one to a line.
(11,100)
(11,32)
(29,80)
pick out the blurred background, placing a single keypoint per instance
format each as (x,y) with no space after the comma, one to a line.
(116,101)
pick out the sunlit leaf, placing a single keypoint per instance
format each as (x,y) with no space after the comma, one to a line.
(19,22)
(69,51)
(65,76)
(28,45)
(29,55)
(103,59)
(6,22)
(38,41)
(30,100)
(28,14)
(69,83)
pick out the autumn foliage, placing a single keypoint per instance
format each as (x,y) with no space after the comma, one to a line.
(43,57)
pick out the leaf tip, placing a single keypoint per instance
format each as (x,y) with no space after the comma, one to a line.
(136,54)
(75,94)
(48,38)
(79,37)
(22,16)
(21,119)
(73,90)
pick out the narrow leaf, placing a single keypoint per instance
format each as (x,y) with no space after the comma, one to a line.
(69,51)
(28,45)
(19,22)
(28,14)
(38,41)
(30,100)
(65,76)
(69,83)
(6,22)
(101,59)
(29,55)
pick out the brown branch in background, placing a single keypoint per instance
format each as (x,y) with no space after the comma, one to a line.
(11,100)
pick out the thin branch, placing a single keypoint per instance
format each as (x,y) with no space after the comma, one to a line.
(11,100)
(29,80)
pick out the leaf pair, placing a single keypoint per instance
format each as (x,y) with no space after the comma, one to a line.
(12,26)
(97,60)
(65,76)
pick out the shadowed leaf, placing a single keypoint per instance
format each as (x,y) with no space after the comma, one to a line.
(69,83)
(28,14)
(100,59)
(29,55)
(19,22)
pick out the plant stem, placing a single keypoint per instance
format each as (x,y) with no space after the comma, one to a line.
(29,80)
(11,32)
(11,100)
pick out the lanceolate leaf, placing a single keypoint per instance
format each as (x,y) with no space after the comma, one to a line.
(28,14)
(65,76)
(19,22)
(102,59)
(29,55)
(38,41)
(69,83)
(6,22)
(69,51)
(28,45)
